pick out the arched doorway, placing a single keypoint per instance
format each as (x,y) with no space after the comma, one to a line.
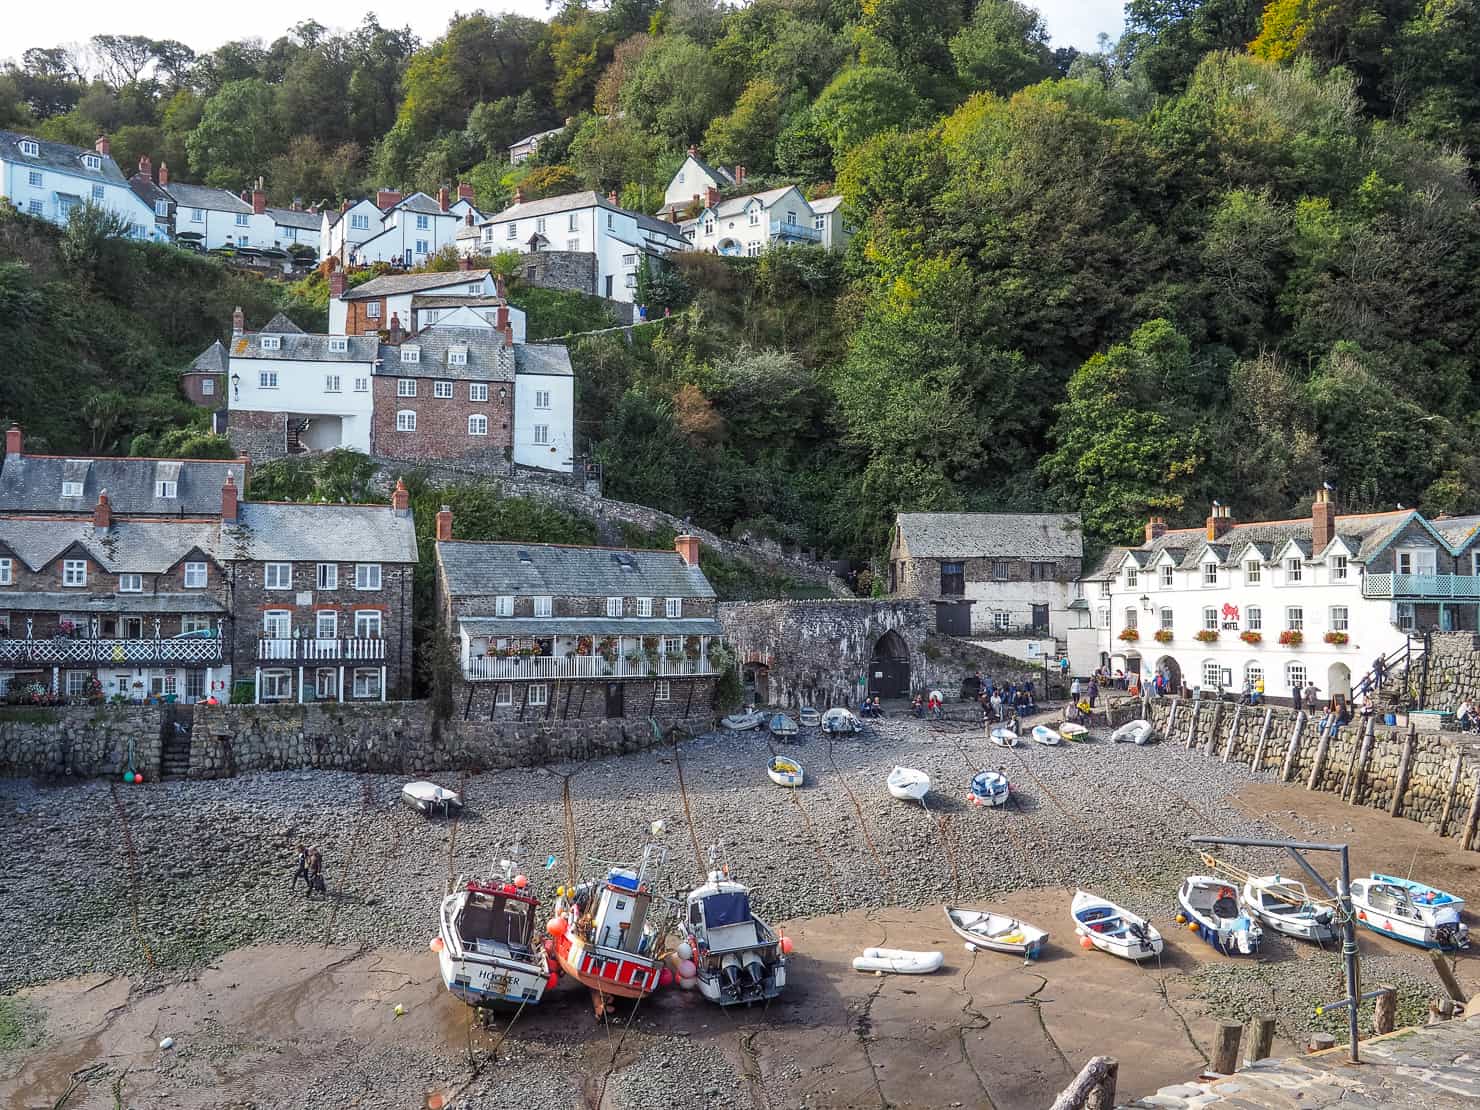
(889,669)
(757,680)
(1167,667)
(1339,681)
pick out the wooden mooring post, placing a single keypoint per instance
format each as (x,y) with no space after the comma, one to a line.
(1261,1046)
(1257,764)
(1369,731)
(1459,765)
(1318,764)
(1294,749)
(1238,712)
(1192,725)
(1405,765)
(1172,716)
(1093,1088)
(1474,816)
(1211,748)
(1385,1015)
(1225,1047)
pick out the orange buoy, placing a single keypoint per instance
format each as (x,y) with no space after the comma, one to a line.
(1086,943)
(1192,926)
(1181,919)
(786,946)
(520,882)
(556,926)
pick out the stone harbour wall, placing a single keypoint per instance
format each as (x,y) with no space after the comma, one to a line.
(1432,778)
(79,740)
(1454,669)
(401,738)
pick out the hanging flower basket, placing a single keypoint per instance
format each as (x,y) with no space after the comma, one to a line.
(1292,638)
(1336,637)
(1206,636)
(691,647)
(1162,635)
(650,644)
(1129,635)
(583,645)
(1251,637)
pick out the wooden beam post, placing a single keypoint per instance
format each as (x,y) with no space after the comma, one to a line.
(1262,1045)
(1385,1018)
(1093,1088)
(1404,767)
(1319,763)
(1459,763)
(1368,732)
(1474,816)
(1192,725)
(1172,715)
(1294,749)
(1257,764)
(1238,712)
(1225,1047)
(1446,976)
(1212,745)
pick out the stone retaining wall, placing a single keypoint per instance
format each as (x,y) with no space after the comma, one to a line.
(1454,669)
(399,738)
(79,740)
(1433,778)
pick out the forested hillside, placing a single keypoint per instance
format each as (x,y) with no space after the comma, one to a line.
(1233,255)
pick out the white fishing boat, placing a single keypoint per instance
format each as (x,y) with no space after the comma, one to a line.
(908,784)
(485,948)
(997,931)
(1410,911)
(1113,929)
(742,722)
(736,957)
(989,788)
(1210,908)
(429,798)
(1004,737)
(898,961)
(1073,730)
(782,727)
(785,772)
(1283,905)
(840,722)
(1133,732)
(809,717)
(1046,736)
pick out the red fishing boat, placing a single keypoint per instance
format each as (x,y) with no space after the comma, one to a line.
(609,933)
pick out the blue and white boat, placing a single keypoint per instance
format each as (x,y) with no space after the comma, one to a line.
(1410,911)
(1210,907)
(1102,924)
(989,788)
(486,951)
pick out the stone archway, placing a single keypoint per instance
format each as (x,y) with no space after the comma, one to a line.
(1339,681)
(889,669)
(756,677)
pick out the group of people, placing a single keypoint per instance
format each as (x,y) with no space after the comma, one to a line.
(871,707)
(920,706)
(1004,701)
(310,870)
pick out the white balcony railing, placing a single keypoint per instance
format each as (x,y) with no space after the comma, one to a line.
(1423,587)
(491,668)
(310,649)
(149,652)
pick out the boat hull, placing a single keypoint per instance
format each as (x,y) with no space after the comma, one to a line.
(1029,947)
(623,975)
(491,981)
(907,784)
(1126,945)
(898,961)
(786,778)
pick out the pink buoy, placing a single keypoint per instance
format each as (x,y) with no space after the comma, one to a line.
(687,969)
(786,946)
(665,978)
(435,944)
(520,882)
(556,926)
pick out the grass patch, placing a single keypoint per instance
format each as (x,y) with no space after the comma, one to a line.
(20,1024)
(733,579)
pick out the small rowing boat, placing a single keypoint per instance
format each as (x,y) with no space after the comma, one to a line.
(1004,737)
(989,788)
(1073,730)
(1046,736)
(1283,905)
(840,722)
(782,727)
(1132,732)
(1110,928)
(908,784)
(898,961)
(785,772)
(1410,911)
(1210,909)
(809,717)
(997,931)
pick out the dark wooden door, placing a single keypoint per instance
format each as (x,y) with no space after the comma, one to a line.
(1040,617)
(614,706)
(889,678)
(953,618)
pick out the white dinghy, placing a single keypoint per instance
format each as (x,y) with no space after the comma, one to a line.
(742,722)
(1132,732)
(989,788)
(908,784)
(1004,737)
(1283,905)
(428,797)
(1410,911)
(898,961)
(997,931)
(1210,908)
(840,722)
(1046,736)
(809,717)
(1113,929)
(785,772)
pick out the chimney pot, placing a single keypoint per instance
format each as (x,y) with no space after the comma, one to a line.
(687,547)
(387,198)
(229,495)
(14,440)
(345,206)
(1322,521)
(444,198)
(400,497)
(238,321)
(693,151)
(739,174)
(711,196)
(1220,522)
(444,523)
(103,146)
(102,512)
(612,196)
(145,166)
(259,201)
(465,191)
(164,173)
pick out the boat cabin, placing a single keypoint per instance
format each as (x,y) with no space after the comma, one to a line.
(719,917)
(621,913)
(496,921)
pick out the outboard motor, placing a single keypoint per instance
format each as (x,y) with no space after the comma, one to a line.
(754,967)
(730,969)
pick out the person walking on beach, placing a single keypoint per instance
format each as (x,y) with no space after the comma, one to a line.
(1074,690)
(302,872)
(316,873)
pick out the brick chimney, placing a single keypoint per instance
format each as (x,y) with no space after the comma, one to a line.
(103,146)
(238,321)
(259,199)
(739,175)
(1156,527)
(387,198)
(501,323)
(687,547)
(1220,520)
(15,440)
(146,167)
(228,499)
(612,196)
(336,283)
(102,512)
(394,330)
(711,196)
(465,263)
(468,217)
(444,523)
(465,192)
(345,206)
(518,194)
(444,198)
(693,151)
(1322,521)
(164,173)
(400,498)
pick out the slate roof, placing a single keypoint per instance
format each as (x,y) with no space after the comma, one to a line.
(1457,530)
(271,530)
(389,285)
(148,191)
(1363,533)
(33,484)
(307,348)
(542,358)
(590,626)
(488,359)
(75,601)
(824,205)
(452,300)
(202,196)
(294,217)
(1108,566)
(736,205)
(489,569)
(281,325)
(133,546)
(718,174)
(419,202)
(60,157)
(210,361)
(538,135)
(992,535)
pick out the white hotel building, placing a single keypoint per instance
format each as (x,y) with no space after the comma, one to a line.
(1291,601)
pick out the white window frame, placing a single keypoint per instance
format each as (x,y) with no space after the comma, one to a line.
(406,387)
(1339,568)
(542,435)
(1340,618)
(74,572)
(644,606)
(197,575)
(1209,575)
(326,576)
(1132,577)
(477,391)
(359,221)
(1130,617)
(544,605)
(442,389)
(662,690)
(457,356)
(1167,617)
(511,231)
(406,420)
(369,624)
(331,383)
(1165,573)
(673,607)
(1294,571)
(267,379)
(270,342)
(326,624)
(130,583)
(277,685)
(504,696)
(197,216)
(422,246)
(422,222)
(1253,572)
(76,682)
(503,605)
(372,310)
(362,385)
(93,162)
(614,607)
(367,576)
(338,344)
(207,387)
(1296,674)
(277,624)
(542,398)
(539,694)
(277,576)
(29,148)
(1254,619)
(71,489)
(97,195)
(1210,619)
(168,491)
(243,219)
(1212,674)
(6,570)
(366,683)
(574,223)
(1295,618)
(195,622)
(477,424)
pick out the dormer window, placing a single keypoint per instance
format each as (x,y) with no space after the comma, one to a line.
(29,148)
(338,346)
(71,489)
(1132,577)
(272,343)
(1210,574)
(166,489)
(410,355)
(457,356)
(92,161)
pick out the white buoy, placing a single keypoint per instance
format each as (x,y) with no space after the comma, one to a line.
(684,950)
(167,1044)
